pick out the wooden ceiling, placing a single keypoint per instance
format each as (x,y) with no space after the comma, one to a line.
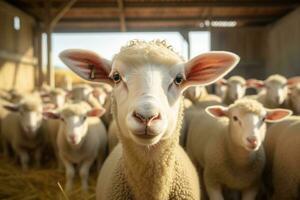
(155,15)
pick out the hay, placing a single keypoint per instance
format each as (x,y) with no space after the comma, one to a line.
(39,184)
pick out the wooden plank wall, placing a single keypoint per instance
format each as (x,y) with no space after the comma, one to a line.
(284,45)
(248,43)
(17,61)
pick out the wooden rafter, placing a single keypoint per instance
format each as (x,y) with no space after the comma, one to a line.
(61,12)
(122,15)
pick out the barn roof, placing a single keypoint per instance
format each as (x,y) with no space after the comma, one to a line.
(156,15)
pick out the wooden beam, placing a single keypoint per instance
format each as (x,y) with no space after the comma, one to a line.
(171,19)
(26,60)
(201,3)
(122,15)
(61,12)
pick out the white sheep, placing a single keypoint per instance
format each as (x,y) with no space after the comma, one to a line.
(236,89)
(274,90)
(21,130)
(148,79)
(282,152)
(198,96)
(81,140)
(225,145)
(293,100)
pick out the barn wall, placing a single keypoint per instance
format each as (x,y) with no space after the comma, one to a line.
(248,43)
(17,60)
(284,45)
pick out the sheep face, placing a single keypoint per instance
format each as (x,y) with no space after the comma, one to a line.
(236,90)
(30,116)
(276,92)
(194,93)
(81,93)
(295,98)
(148,80)
(247,122)
(74,121)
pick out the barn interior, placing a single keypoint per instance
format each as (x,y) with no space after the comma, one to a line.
(264,33)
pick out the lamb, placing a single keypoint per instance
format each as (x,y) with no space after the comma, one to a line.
(293,101)
(81,140)
(83,93)
(275,90)
(225,145)
(282,153)
(21,130)
(148,79)
(236,89)
(199,95)
(50,127)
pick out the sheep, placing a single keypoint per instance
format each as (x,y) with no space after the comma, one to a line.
(282,152)
(293,100)
(199,95)
(50,127)
(220,88)
(236,89)
(21,130)
(275,90)
(224,143)
(81,140)
(83,92)
(67,83)
(148,80)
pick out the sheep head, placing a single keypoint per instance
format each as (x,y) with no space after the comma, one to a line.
(149,79)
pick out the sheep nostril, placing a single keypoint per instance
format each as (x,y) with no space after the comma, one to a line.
(146,119)
(139,117)
(252,140)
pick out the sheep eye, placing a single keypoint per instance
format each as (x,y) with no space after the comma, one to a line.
(116,77)
(179,79)
(235,118)
(263,119)
(84,118)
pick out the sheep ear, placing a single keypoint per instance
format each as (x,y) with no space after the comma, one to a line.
(293,81)
(254,83)
(51,115)
(96,112)
(12,108)
(87,64)
(276,115)
(222,81)
(217,111)
(207,68)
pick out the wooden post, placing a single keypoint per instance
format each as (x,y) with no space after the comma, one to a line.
(185,35)
(50,70)
(40,56)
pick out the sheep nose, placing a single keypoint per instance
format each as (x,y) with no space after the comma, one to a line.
(252,140)
(146,119)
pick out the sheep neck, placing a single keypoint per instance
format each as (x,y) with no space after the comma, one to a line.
(237,154)
(149,170)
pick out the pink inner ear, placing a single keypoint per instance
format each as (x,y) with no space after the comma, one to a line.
(11,108)
(278,114)
(293,80)
(207,68)
(51,115)
(255,83)
(87,64)
(217,112)
(96,112)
